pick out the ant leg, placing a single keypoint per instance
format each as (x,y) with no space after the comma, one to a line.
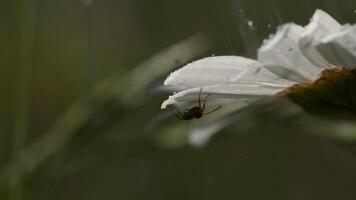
(205,101)
(178,114)
(212,110)
(201,88)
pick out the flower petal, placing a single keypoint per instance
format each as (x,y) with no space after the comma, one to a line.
(340,48)
(219,94)
(222,70)
(201,135)
(320,26)
(281,55)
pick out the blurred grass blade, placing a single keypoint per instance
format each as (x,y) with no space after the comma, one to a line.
(26,33)
(126,90)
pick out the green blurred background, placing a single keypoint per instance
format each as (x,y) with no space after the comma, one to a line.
(80,109)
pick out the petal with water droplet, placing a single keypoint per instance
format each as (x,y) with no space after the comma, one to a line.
(219,94)
(282,56)
(320,26)
(223,70)
(340,48)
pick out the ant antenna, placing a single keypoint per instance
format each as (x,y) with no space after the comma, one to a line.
(203,108)
(201,88)
(205,101)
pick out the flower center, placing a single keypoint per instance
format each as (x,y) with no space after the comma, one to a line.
(332,95)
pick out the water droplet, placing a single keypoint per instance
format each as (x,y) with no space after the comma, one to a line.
(269,25)
(250,23)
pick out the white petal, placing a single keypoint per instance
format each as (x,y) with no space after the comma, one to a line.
(222,70)
(282,56)
(340,48)
(219,94)
(200,136)
(321,25)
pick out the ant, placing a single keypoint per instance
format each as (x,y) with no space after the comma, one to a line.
(196,111)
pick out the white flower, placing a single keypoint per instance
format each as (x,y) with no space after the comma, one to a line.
(294,55)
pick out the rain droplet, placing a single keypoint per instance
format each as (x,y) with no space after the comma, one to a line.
(250,23)
(269,25)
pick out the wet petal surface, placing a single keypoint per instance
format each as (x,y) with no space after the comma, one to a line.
(222,70)
(340,48)
(219,94)
(281,54)
(320,26)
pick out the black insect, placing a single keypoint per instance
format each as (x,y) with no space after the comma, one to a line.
(196,111)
